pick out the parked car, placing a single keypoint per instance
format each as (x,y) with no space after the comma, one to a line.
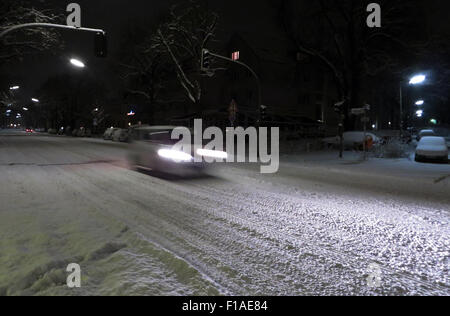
(425,133)
(29,131)
(108,135)
(353,139)
(81,132)
(152,149)
(120,135)
(432,148)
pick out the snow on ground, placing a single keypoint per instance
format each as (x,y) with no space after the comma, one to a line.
(236,232)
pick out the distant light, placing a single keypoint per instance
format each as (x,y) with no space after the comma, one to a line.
(374,126)
(35,100)
(418,79)
(433,121)
(390,123)
(419,113)
(8,111)
(77,63)
(14,88)
(25,109)
(131,113)
(420,102)
(235,55)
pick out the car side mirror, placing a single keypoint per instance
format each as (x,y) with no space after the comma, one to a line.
(101,45)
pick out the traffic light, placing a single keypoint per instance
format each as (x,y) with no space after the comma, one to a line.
(205,62)
(101,45)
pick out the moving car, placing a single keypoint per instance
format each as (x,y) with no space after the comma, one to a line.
(152,149)
(29,131)
(432,148)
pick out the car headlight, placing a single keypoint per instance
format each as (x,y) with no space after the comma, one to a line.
(175,155)
(212,154)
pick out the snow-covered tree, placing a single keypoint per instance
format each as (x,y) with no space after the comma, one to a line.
(17,44)
(189,28)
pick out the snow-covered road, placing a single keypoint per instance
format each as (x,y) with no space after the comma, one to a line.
(66,200)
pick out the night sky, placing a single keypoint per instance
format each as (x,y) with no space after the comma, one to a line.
(115,16)
(251,16)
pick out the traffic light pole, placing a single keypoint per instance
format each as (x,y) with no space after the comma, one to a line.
(258,81)
(49,25)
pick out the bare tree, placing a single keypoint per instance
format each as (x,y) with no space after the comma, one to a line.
(335,33)
(143,70)
(189,28)
(17,44)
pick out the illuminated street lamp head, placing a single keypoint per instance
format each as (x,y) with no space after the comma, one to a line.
(420,102)
(14,88)
(77,63)
(418,79)
(25,109)
(35,100)
(419,113)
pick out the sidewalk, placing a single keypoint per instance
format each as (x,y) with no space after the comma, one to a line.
(404,176)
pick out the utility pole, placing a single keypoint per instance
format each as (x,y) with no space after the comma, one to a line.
(100,38)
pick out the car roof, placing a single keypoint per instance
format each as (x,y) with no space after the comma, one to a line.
(432,140)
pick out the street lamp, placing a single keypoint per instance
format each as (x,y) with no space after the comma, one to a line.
(415,80)
(14,88)
(77,63)
(420,102)
(25,109)
(419,113)
(35,100)
(418,79)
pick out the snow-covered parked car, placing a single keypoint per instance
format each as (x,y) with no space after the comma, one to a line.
(120,135)
(108,135)
(353,139)
(432,148)
(152,149)
(425,133)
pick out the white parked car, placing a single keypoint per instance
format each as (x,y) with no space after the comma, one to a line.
(432,148)
(152,149)
(120,135)
(108,135)
(425,133)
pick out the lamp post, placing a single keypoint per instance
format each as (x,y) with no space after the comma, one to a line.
(77,63)
(415,80)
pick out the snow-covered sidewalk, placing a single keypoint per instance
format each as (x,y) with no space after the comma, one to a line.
(398,175)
